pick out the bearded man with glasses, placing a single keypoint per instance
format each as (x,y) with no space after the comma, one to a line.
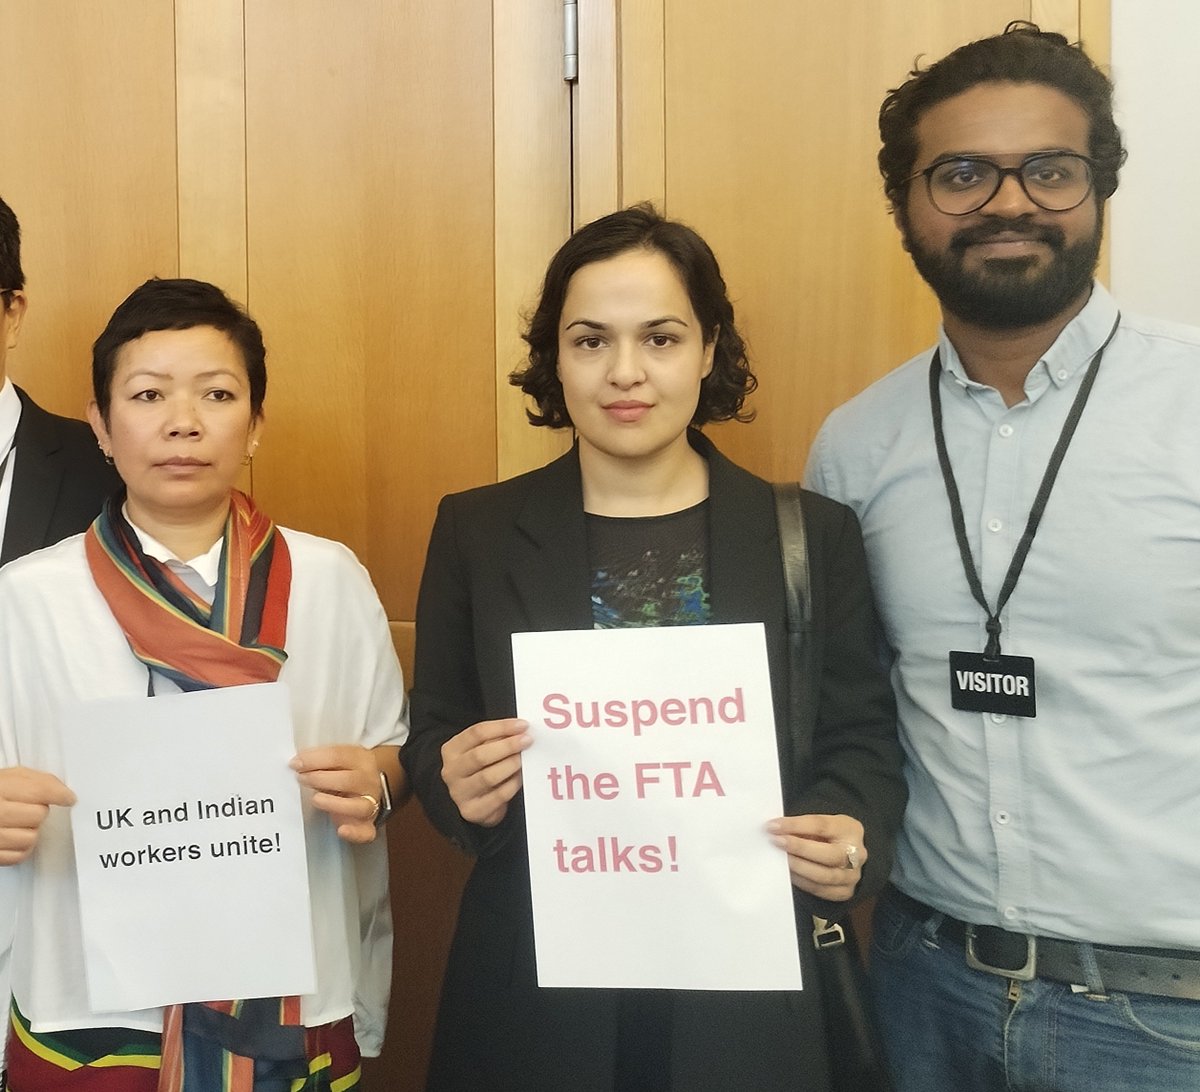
(1029,492)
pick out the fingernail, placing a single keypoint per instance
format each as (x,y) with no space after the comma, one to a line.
(296,764)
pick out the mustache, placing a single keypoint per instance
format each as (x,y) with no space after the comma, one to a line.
(1021,225)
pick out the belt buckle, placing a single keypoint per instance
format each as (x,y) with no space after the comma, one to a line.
(1026,973)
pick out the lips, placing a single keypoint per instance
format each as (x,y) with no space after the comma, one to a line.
(1009,232)
(182,462)
(627,411)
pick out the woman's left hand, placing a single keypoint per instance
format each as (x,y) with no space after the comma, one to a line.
(346,783)
(825,853)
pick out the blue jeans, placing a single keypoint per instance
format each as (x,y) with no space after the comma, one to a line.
(949,1028)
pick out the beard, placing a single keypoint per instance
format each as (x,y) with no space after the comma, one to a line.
(1007,293)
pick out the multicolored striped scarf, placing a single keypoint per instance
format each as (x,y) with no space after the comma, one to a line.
(236,640)
(125,1060)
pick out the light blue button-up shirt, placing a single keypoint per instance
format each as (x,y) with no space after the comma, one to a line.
(1083,822)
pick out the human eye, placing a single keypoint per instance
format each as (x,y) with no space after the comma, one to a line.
(1052,172)
(220,394)
(961,174)
(148,395)
(661,340)
(589,341)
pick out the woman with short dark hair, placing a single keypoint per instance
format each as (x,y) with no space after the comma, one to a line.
(184,584)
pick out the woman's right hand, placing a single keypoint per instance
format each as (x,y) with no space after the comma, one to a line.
(25,800)
(482,768)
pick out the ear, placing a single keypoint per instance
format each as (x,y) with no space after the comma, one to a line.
(254,436)
(710,351)
(900,219)
(17,303)
(99,428)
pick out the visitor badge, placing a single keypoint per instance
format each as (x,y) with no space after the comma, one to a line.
(1004,684)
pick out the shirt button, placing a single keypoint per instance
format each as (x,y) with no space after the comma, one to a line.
(1005,430)
(1010,913)
(1062,374)
(1002,818)
(994,525)
(998,718)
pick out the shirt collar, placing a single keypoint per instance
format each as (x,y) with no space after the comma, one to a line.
(10,415)
(207,566)
(1072,350)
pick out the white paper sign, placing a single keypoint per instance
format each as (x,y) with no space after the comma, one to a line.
(189,845)
(651,778)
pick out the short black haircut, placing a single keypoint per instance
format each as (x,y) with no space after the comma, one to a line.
(12,276)
(1024,53)
(723,391)
(178,304)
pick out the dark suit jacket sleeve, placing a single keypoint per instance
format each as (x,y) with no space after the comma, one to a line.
(857,761)
(60,481)
(446,695)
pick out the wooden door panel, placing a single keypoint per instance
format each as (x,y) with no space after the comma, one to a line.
(770,144)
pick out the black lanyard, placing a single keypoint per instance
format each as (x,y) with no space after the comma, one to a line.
(992,651)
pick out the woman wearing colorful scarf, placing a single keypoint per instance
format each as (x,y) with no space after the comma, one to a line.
(182,584)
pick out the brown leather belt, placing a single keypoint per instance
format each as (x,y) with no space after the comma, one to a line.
(1165,972)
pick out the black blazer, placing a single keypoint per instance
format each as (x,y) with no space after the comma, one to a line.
(512,557)
(60,481)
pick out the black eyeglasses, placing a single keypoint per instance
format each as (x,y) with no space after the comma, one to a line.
(1054,181)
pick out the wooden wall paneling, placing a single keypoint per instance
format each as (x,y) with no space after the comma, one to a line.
(369,175)
(770,152)
(427,877)
(307,154)
(596,168)
(1060,15)
(89,169)
(1095,33)
(1095,29)
(642,75)
(210,111)
(619,124)
(532,106)
(210,106)
(373,259)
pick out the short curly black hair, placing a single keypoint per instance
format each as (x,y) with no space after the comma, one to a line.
(1024,53)
(723,391)
(178,303)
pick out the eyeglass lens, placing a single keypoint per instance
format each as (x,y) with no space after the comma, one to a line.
(1052,182)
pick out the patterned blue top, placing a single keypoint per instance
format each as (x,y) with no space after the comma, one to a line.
(649,570)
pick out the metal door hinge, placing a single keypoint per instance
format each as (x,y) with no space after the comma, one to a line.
(570,40)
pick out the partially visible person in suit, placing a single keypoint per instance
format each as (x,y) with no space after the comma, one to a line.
(53,478)
(634,346)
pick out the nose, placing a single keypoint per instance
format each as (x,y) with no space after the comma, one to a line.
(1010,199)
(183,420)
(625,366)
